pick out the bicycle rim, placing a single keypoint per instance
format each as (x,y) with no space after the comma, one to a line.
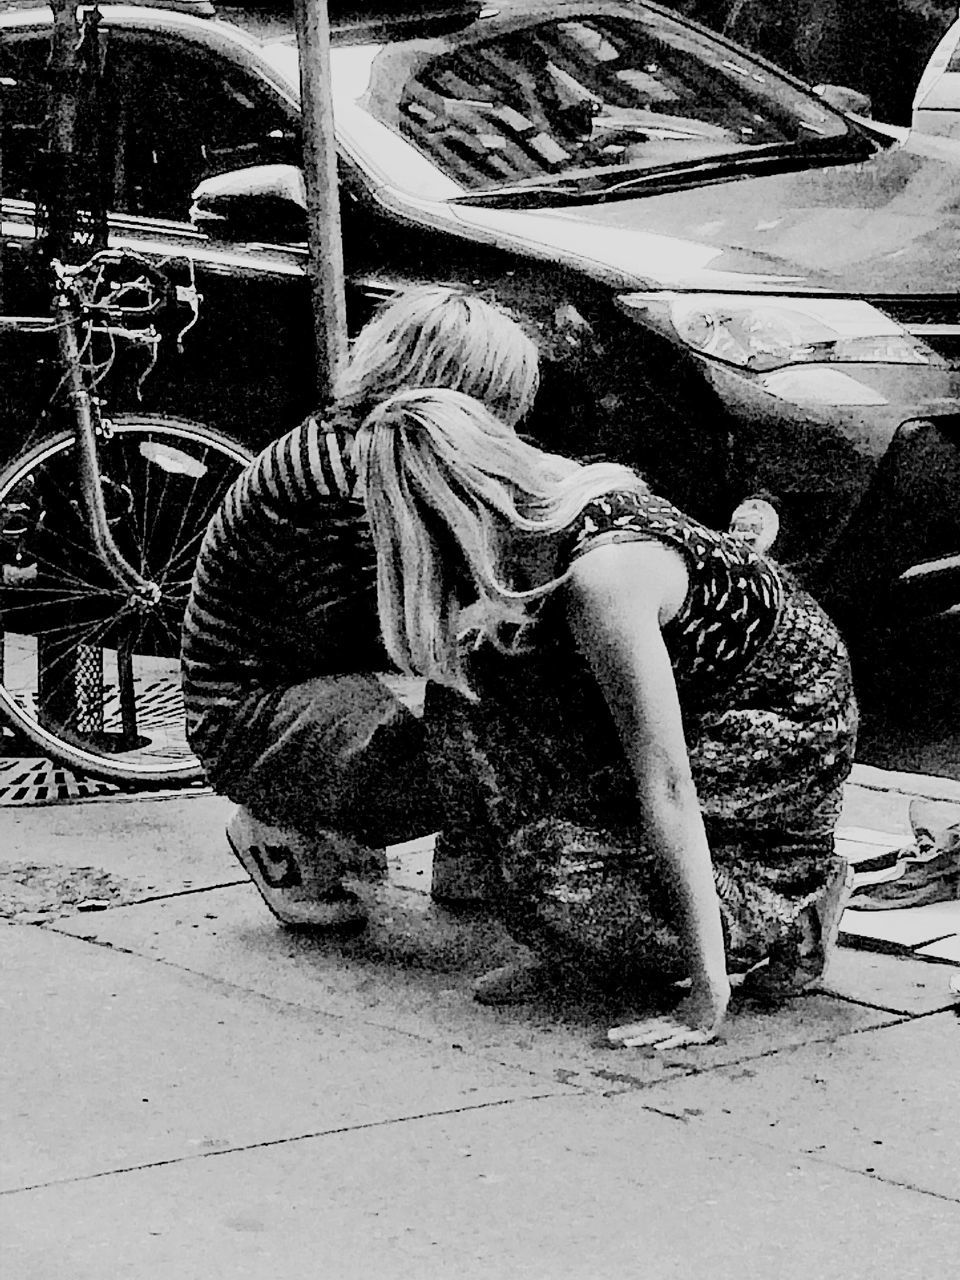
(88,675)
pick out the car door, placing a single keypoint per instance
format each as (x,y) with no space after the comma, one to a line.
(177,112)
(23,350)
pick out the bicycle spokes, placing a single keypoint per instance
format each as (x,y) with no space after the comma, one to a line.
(88,665)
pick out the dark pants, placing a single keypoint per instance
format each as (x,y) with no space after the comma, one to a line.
(342,754)
(336,753)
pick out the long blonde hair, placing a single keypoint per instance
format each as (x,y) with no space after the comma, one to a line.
(442,336)
(451,494)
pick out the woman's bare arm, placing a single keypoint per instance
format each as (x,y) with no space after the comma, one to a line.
(618,597)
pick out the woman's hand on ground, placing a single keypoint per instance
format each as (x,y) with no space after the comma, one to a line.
(696,1020)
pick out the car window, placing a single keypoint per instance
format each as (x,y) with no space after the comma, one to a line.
(23,118)
(168,119)
(176,117)
(23,111)
(591,91)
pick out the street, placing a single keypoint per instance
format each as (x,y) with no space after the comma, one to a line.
(909,717)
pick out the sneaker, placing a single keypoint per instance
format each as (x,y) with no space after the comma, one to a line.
(928,872)
(876,869)
(921,880)
(935,825)
(289,872)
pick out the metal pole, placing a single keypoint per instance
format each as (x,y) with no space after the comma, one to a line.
(58,199)
(324,244)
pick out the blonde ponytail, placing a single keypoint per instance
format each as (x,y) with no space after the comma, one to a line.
(451,494)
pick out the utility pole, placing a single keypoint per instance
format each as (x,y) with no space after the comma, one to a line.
(71,223)
(71,208)
(58,199)
(324,241)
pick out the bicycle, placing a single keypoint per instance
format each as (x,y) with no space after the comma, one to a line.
(100,526)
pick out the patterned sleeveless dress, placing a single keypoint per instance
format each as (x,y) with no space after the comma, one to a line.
(770,720)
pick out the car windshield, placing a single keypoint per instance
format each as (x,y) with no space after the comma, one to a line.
(594,88)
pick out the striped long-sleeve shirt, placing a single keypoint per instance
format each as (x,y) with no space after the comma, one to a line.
(284,588)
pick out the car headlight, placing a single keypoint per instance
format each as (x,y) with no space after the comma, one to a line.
(761,334)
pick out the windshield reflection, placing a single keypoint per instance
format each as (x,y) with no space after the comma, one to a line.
(576,95)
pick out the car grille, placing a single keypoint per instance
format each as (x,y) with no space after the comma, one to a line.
(935,320)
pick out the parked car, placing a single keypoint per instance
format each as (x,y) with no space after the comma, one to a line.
(737,288)
(936,103)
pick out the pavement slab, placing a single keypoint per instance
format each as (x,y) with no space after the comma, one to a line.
(901,928)
(947,950)
(111,1061)
(411,972)
(875,806)
(147,845)
(883,1102)
(899,984)
(194,1092)
(567,1188)
(903,783)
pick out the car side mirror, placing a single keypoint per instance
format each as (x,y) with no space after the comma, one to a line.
(266,202)
(850,101)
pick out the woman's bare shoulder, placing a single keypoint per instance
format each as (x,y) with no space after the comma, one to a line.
(631,575)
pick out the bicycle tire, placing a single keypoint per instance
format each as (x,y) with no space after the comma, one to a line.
(65,623)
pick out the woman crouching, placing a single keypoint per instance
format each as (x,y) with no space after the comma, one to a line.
(656,721)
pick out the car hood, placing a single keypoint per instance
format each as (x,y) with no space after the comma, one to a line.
(888,225)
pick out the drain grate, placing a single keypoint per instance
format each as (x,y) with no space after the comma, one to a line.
(34,780)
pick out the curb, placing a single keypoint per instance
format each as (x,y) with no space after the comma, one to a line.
(926,785)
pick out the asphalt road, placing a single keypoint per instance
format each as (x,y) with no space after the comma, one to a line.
(910,706)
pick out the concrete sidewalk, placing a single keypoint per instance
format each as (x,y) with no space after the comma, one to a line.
(190,1092)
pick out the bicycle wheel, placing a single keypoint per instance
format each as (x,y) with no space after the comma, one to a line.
(89,674)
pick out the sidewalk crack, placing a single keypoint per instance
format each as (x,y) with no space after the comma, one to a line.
(265,1144)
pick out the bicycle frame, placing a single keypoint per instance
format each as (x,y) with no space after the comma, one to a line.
(88,426)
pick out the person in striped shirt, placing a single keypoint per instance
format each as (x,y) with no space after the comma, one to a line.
(281,641)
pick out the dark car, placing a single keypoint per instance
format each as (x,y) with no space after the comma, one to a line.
(737,289)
